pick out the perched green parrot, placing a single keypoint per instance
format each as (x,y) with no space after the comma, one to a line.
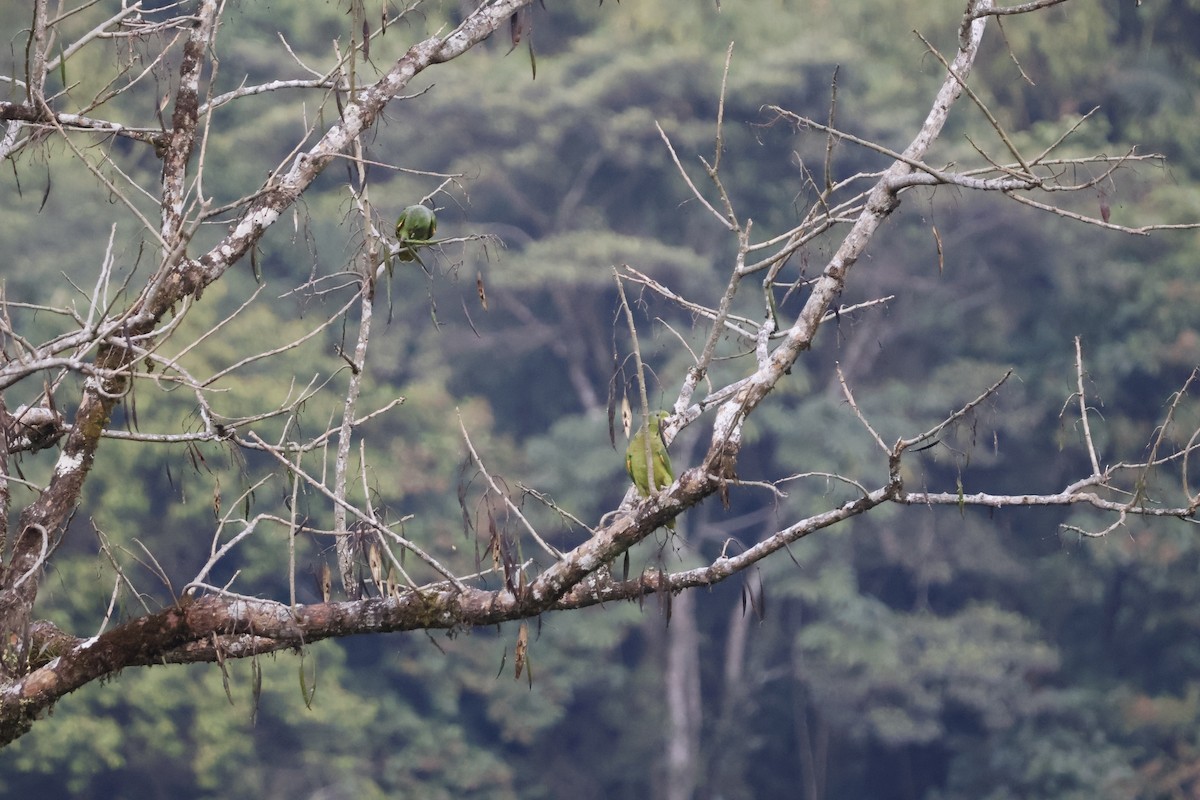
(635,459)
(417,224)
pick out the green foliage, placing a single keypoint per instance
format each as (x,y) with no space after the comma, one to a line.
(1063,750)
(896,678)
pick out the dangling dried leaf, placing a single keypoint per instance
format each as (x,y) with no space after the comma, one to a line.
(45,194)
(503,661)
(326,582)
(255,688)
(163,102)
(937,238)
(518,26)
(306,693)
(756,601)
(1105,209)
(479,288)
(522,652)
(513,576)
(62,64)
(220,654)
(375,562)
(626,416)
(494,541)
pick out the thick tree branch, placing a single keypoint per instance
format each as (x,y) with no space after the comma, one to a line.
(881,202)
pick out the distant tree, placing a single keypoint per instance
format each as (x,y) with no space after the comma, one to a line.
(79,358)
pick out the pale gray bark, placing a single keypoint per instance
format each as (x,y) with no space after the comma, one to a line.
(684,706)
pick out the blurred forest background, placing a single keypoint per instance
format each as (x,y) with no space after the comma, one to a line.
(908,654)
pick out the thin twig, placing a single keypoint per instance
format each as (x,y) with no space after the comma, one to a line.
(1083,408)
(858,412)
(553,551)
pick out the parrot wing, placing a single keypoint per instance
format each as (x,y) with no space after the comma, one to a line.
(417,223)
(660,462)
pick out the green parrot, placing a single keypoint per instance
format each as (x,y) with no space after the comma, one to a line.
(416,224)
(635,459)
